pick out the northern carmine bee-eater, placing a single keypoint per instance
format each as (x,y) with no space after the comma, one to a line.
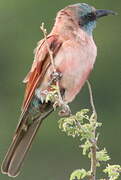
(74,54)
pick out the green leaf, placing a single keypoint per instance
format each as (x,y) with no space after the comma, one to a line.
(87,131)
(82,115)
(78,174)
(86,146)
(102,155)
(52,94)
(113,171)
(69,125)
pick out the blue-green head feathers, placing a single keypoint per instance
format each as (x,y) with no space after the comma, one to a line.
(87,15)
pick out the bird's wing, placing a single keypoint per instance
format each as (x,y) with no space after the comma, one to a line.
(28,126)
(39,67)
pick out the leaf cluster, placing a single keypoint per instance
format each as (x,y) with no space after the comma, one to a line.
(83,125)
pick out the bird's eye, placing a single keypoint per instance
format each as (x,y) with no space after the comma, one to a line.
(87,18)
(91,16)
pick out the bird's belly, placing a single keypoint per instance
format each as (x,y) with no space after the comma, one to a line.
(73,80)
(75,66)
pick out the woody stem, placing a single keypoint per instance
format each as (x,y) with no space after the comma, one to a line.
(93,148)
(52,61)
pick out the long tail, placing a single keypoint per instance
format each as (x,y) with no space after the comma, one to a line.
(25,133)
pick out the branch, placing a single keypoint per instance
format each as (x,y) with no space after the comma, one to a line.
(48,48)
(91,100)
(93,148)
(52,61)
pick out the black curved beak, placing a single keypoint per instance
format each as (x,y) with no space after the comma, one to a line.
(102,12)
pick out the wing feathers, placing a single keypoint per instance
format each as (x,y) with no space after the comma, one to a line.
(39,67)
(22,140)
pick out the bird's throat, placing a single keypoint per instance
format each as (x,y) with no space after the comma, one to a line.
(88,27)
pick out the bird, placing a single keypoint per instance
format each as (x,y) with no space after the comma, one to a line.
(74,53)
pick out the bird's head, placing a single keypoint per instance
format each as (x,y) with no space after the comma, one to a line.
(87,15)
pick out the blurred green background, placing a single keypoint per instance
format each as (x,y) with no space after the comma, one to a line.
(53,155)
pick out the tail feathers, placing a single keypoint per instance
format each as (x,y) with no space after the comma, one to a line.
(22,140)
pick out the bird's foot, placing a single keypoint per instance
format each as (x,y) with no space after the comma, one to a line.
(55,76)
(65,109)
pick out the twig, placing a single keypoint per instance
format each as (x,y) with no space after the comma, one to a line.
(48,48)
(52,62)
(91,100)
(93,141)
